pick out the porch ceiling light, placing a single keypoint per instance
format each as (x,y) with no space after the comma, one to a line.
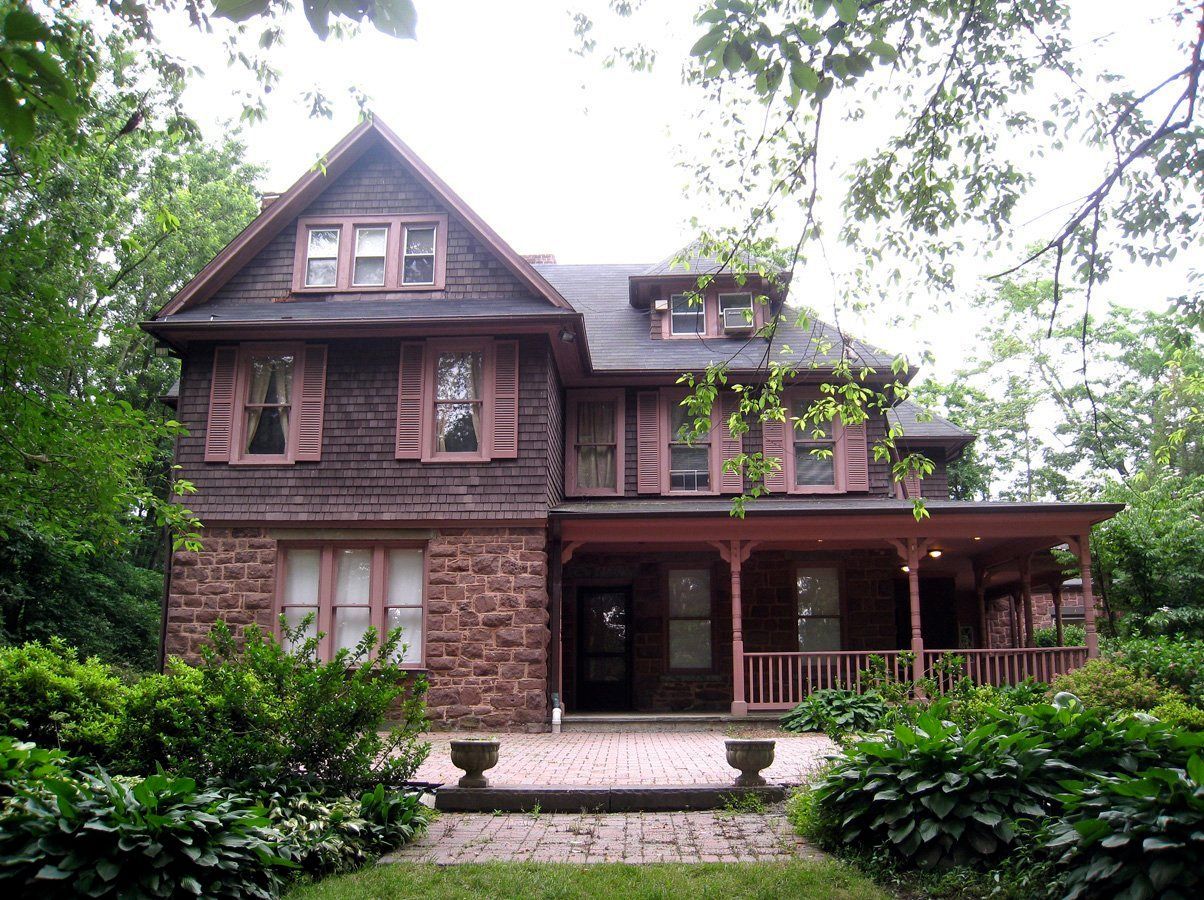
(904,568)
(935,554)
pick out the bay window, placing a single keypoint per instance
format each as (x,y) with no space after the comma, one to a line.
(347,589)
(690,609)
(817,592)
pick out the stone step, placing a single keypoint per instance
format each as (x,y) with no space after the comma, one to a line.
(653,722)
(620,798)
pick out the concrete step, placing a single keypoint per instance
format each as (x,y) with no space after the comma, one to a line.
(652,722)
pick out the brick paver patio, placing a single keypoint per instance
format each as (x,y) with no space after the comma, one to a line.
(601,759)
(679,837)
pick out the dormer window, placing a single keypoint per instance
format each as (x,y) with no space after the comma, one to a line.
(371,249)
(418,261)
(322,257)
(687,315)
(361,254)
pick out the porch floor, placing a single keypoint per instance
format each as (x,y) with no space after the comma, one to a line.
(626,758)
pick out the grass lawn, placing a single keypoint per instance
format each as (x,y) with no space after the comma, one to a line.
(828,880)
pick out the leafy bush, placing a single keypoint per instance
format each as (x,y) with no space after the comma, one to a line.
(94,836)
(933,795)
(1135,836)
(1173,663)
(1177,713)
(254,710)
(331,833)
(1109,686)
(835,712)
(52,697)
(22,762)
(1072,636)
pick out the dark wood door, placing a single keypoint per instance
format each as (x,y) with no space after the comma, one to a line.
(604,649)
(938,613)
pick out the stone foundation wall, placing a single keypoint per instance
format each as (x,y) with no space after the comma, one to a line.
(487,631)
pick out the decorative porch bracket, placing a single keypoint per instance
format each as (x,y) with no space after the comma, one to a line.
(735,553)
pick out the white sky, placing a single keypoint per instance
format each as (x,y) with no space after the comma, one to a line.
(563,157)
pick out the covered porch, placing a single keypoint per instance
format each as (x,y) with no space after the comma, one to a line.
(674,605)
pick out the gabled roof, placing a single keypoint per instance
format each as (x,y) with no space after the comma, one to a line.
(618,333)
(292,202)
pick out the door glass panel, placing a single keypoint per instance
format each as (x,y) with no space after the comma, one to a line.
(606,624)
(610,669)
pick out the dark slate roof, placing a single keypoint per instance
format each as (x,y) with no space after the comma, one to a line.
(396,307)
(617,332)
(928,426)
(690,260)
(769,506)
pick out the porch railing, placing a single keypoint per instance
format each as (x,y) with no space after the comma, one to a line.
(1003,666)
(782,680)
(779,681)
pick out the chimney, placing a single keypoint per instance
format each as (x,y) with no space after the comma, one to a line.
(540,259)
(266,199)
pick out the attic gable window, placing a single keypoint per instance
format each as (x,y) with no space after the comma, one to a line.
(365,254)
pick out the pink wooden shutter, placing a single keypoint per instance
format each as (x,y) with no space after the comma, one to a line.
(648,442)
(911,486)
(409,401)
(311,405)
(856,458)
(730,447)
(773,446)
(505,400)
(219,432)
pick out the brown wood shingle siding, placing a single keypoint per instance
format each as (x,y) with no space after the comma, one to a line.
(359,476)
(376,185)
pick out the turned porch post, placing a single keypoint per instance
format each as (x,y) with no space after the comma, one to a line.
(1026,597)
(980,593)
(1084,551)
(913,590)
(1014,618)
(1055,590)
(739,699)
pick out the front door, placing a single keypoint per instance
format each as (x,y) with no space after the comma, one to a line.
(604,652)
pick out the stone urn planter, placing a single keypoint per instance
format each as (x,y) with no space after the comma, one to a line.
(750,757)
(474,756)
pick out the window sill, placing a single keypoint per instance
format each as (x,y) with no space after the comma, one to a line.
(261,462)
(592,492)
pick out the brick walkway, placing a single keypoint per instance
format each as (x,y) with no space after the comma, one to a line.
(685,837)
(664,758)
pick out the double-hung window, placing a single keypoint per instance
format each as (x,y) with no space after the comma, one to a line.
(817,591)
(322,257)
(370,253)
(267,405)
(595,443)
(690,454)
(690,610)
(687,314)
(736,312)
(343,590)
(815,451)
(418,255)
(459,402)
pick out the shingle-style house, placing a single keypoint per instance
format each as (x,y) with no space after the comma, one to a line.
(396,420)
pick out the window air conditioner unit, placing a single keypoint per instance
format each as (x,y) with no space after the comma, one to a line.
(736,320)
(661,305)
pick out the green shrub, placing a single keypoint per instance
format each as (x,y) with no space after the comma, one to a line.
(1072,636)
(22,762)
(1134,836)
(836,712)
(253,710)
(1177,713)
(156,837)
(1173,663)
(1109,686)
(932,795)
(50,696)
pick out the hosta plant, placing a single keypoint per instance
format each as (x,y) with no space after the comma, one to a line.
(836,712)
(1134,836)
(934,796)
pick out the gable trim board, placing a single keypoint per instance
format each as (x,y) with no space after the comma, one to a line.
(309,186)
